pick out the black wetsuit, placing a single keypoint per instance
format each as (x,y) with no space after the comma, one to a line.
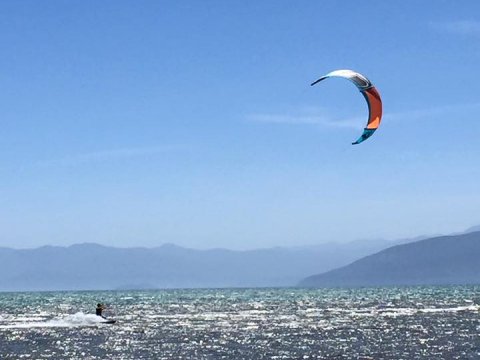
(99,310)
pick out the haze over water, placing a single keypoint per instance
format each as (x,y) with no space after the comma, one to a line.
(370,323)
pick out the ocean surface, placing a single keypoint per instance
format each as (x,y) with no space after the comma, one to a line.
(371,323)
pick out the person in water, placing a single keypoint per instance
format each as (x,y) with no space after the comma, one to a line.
(99,310)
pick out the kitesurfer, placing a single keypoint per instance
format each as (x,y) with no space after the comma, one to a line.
(99,310)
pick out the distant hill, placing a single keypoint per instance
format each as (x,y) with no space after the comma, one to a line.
(473,229)
(451,259)
(92,266)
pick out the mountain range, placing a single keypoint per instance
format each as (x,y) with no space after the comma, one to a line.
(92,266)
(441,260)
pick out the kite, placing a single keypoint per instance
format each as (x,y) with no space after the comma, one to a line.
(371,96)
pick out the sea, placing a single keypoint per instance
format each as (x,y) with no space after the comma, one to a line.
(272,323)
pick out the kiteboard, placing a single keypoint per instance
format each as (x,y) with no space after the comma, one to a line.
(109,321)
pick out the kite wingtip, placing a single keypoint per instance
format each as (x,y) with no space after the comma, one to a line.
(317,81)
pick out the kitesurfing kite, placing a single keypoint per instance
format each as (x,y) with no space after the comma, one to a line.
(371,95)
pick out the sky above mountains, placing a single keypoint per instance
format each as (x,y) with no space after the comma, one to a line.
(143,122)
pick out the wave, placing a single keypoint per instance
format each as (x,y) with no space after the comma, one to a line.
(74,320)
(413,311)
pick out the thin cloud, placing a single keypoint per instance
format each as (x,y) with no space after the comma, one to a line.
(110,155)
(463,27)
(418,114)
(305,119)
(359,122)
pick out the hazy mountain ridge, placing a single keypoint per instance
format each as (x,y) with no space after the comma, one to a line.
(445,260)
(93,266)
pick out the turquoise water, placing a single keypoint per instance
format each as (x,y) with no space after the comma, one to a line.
(377,323)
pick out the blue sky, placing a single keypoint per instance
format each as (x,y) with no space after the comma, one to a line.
(135,123)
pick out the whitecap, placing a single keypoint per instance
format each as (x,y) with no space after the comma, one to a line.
(73,320)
